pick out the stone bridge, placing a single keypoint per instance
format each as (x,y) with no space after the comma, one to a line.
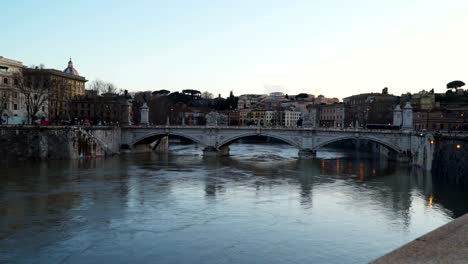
(217,139)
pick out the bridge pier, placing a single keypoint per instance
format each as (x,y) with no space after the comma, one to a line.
(307,153)
(161,145)
(212,151)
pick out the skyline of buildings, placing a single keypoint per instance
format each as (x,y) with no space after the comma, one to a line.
(264,89)
(66,100)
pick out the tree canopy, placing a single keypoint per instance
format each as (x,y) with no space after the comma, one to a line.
(455,84)
(162,92)
(302,95)
(191,92)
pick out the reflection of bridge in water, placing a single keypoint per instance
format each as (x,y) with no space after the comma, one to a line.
(403,144)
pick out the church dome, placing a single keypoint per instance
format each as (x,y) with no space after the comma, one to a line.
(70,69)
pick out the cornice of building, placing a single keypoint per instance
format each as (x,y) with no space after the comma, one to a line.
(11,62)
(54,72)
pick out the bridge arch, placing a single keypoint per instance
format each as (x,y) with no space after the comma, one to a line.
(230,140)
(384,143)
(157,135)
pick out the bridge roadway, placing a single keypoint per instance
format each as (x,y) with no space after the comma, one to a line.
(216,139)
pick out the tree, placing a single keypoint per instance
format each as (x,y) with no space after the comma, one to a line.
(207,95)
(232,101)
(302,96)
(97,85)
(192,93)
(4,100)
(455,84)
(36,95)
(101,86)
(161,92)
(110,88)
(40,66)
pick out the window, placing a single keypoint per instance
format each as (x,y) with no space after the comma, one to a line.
(43,109)
(5,106)
(5,80)
(15,106)
(15,95)
(15,81)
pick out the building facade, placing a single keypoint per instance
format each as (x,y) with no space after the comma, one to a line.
(250,101)
(369,108)
(441,119)
(105,109)
(61,86)
(258,116)
(326,115)
(331,115)
(290,118)
(12,103)
(244,117)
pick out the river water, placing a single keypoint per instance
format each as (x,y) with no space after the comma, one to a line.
(260,205)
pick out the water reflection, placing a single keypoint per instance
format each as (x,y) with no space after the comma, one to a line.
(261,205)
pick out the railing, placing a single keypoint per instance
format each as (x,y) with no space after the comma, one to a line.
(268,128)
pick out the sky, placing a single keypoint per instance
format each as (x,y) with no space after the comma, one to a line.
(336,47)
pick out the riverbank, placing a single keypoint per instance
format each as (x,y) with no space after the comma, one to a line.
(447,244)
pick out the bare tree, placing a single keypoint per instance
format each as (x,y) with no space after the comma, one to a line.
(4,100)
(111,88)
(98,86)
(35,95)
(40,66)
(101,86)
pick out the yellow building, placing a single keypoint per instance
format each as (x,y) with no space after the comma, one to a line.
(244,116)
(258,116)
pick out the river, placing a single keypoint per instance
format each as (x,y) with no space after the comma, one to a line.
(262,204)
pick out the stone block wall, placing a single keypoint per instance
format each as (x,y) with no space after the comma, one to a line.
(36,142)
(451,162)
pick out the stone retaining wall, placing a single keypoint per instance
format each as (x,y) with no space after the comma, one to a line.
(36,142)
(451,162)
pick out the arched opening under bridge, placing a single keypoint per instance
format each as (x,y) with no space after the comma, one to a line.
(359,147)
(259,146)
(165,143)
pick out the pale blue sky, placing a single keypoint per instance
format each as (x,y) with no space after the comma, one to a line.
(334,47)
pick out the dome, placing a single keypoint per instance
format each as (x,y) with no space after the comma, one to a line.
(70,69)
